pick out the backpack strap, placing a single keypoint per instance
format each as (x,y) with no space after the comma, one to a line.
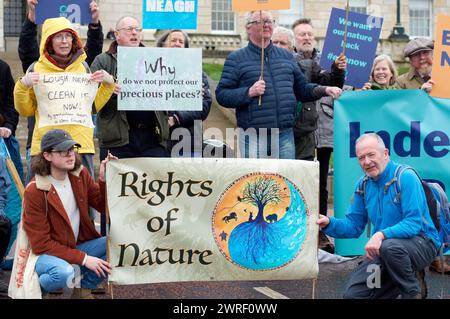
(31,67)
(361,191)
(86,67)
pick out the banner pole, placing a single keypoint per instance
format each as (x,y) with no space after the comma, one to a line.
(314,282)
(262,52)
(345,28)
(108,239)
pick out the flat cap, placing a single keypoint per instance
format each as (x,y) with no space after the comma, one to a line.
(417,45)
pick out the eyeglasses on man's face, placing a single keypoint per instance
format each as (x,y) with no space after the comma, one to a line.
(130,29)
(67,153)
(266,22)
(63,36)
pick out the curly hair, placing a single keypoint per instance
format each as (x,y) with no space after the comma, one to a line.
(40,166)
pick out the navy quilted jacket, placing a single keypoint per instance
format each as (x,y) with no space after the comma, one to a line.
(285,85)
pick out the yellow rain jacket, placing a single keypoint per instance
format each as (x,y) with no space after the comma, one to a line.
(25,99)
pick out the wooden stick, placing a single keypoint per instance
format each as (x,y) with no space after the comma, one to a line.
(15,176)
(108,238)
(314,288)
(262,53)
(345,28)
(12,170)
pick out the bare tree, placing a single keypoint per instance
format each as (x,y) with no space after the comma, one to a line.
(263,191)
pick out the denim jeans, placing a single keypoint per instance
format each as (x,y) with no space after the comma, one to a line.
(55,273)
(274,144)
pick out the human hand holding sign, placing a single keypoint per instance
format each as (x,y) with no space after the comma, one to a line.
(94,12)
(341,62)
(32,10)
(30,79)
(257,89)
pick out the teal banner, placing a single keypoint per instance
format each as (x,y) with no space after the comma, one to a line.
(415,128)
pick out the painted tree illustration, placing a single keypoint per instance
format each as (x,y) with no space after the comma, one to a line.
(257,239)
(260,193)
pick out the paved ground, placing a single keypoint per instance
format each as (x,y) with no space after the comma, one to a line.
(330,282)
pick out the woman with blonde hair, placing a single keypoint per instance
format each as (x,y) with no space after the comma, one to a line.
(383,75)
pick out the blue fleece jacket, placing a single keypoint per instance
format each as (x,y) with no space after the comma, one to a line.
(406,219)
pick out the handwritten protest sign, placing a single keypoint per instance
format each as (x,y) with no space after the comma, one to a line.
(169,14)
(65,98)
(362,39)
(212,219)
(159,79)
(76,11)
(249,5)
(441,58)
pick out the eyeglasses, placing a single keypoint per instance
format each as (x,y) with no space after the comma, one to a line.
(266,22)
(279,42)
(67,153)
(63,36)
(304,34)
(130,29)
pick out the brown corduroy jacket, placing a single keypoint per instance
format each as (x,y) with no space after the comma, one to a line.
(51,233)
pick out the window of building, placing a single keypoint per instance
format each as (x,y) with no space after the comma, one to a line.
(14,13)
(222,17)
(420,18)
(287,17)
(359,6)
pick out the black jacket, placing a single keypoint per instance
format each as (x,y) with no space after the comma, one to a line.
(192,120)
(9,116)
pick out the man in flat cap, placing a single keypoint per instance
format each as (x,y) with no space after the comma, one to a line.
(420,54)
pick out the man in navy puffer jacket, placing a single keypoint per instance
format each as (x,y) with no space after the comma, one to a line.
(283,85)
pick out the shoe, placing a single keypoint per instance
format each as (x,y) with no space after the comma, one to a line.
(440,267)
(82,293)
(420,274)
(100,290)
(325,243)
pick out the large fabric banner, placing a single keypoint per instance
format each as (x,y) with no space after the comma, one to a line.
(65,98)
(212,219)
(76,11)
(159,79)
(363,32)
(413,125)
(169,14)
(441,58)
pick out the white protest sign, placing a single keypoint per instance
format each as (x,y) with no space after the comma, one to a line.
(212,219)
(65,98)
(159,79)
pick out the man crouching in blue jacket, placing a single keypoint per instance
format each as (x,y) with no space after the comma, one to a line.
(405,240)
(265,108)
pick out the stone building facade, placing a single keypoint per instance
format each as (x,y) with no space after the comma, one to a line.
(219,30)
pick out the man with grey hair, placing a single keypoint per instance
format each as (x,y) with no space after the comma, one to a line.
(309,115)
(128,133)
(283,38)
(404,239)
(242,88)
(419,51)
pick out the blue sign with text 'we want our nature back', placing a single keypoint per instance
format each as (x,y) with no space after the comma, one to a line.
(169,14)
(76,11)
(363,32)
